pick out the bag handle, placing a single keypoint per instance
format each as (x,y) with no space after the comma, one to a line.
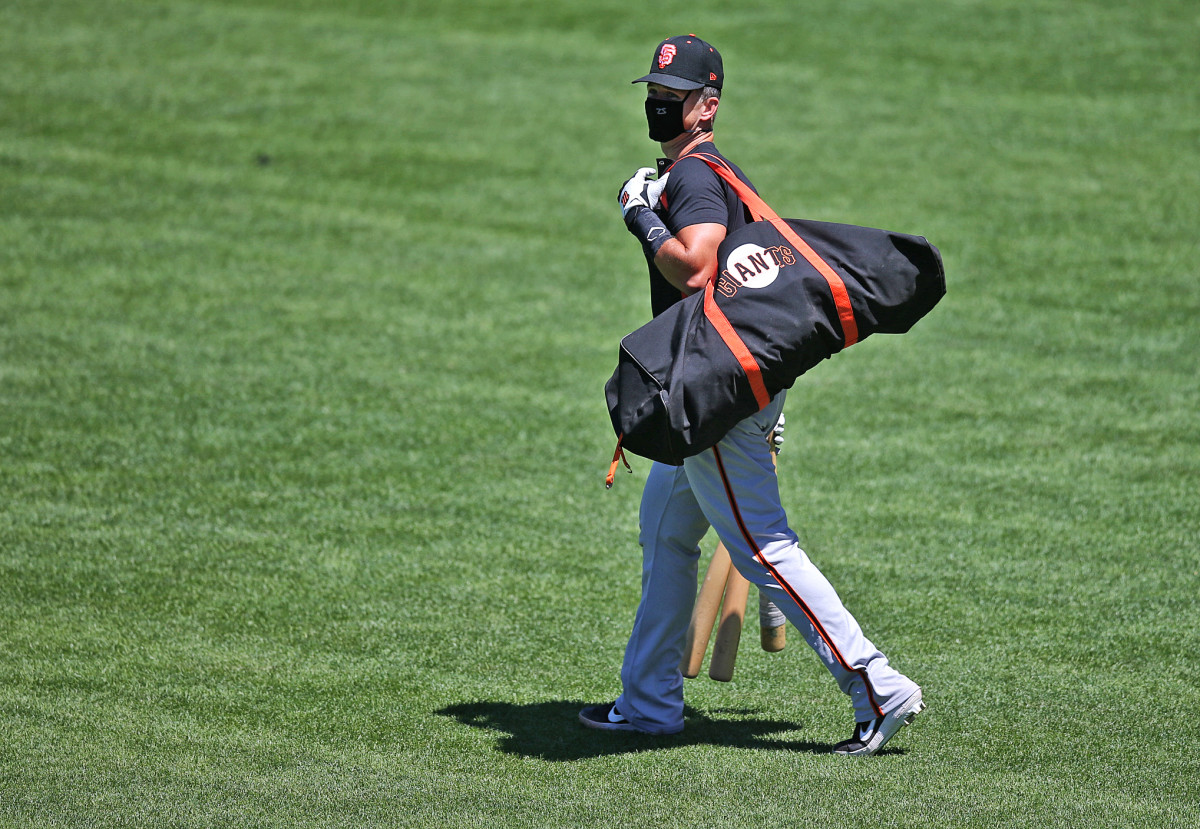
(760,211)
(741,353)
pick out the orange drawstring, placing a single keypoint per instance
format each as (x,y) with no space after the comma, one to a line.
(618,457)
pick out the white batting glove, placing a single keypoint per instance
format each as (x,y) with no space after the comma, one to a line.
(642,191)
(776,436)
(638,199)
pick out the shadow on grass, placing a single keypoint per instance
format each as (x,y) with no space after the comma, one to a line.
(552,731)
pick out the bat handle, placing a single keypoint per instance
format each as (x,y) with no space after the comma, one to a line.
(772,623)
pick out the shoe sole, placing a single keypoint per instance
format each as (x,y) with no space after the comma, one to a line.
(893,721)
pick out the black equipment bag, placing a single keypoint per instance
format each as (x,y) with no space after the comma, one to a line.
(788,294)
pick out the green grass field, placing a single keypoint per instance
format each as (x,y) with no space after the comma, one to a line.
(305,313)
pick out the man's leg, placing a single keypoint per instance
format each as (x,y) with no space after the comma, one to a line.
(672,525)
(736,487)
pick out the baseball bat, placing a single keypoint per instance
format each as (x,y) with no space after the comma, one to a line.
(704,614)
(729,632)
(772,631)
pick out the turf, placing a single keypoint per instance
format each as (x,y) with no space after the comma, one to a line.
(305,312)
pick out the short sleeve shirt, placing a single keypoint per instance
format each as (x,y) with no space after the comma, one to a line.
(694,195)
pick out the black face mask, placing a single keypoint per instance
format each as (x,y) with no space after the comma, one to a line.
(665,119)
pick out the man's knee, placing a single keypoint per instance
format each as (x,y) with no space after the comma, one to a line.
(675,541)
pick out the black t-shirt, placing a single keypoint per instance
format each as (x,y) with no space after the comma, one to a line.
(694,195)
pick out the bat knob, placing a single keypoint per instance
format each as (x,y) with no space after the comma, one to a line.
(773,639)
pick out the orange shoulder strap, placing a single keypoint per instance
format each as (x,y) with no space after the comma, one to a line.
(760,211)
(735,343)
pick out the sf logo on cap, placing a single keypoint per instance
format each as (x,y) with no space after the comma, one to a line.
(666,55)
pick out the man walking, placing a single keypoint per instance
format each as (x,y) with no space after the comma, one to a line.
(680,219)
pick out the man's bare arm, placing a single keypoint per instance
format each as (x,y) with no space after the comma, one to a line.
(689,260)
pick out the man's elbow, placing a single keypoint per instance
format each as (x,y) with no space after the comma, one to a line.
(697,281)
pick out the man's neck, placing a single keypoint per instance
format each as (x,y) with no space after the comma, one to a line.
(678,147)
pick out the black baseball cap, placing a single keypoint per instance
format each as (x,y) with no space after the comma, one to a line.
(685,62)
